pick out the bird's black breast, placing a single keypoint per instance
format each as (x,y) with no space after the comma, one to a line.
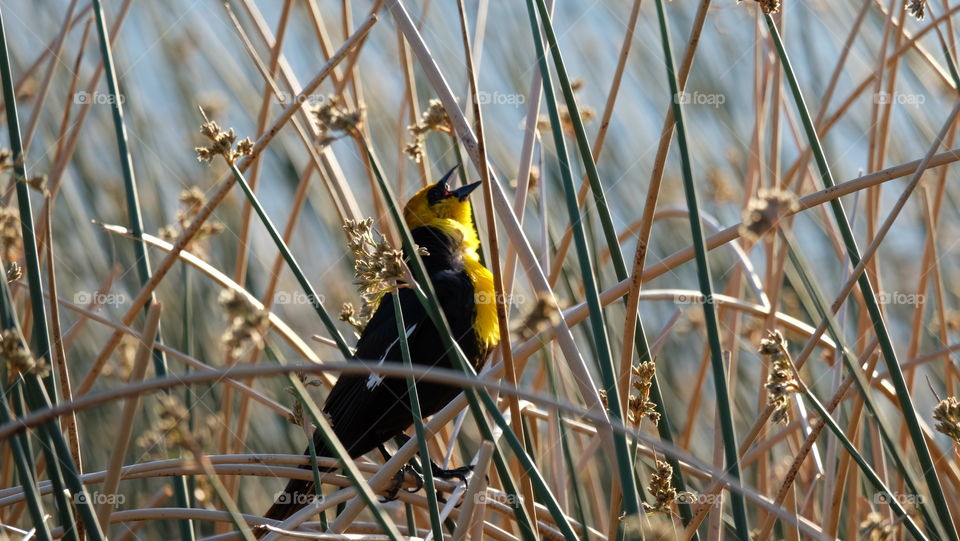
(366,411)
(443,252)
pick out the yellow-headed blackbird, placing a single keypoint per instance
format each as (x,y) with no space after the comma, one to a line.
(368,410)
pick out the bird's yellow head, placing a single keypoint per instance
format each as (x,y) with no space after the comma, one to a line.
(438,203)
(448,211)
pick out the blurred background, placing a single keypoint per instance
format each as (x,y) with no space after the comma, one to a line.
(175,56)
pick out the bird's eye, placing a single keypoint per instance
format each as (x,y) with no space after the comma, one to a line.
(436,194)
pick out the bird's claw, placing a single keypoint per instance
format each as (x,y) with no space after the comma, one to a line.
(398,482)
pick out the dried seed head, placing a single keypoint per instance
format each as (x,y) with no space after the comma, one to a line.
(545,314)
(781,381)
(17,357)
(772,344)
(720,187)
(125,358)
(876,528)
(348,314)
(235,304)
(661,488)
(917,8)
(192,200)
(38,183)
(638,407)
(434,118)
(566,120)
(378,267)
(764,212)
(221,144)
(6,159)
(248,324)
(334,121)
(768,6)
(14,272)
(947,415)
(244,148)
(415,150)
(171,430)
(534,177)
(10,240)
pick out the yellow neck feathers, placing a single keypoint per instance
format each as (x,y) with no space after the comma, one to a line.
(453,217)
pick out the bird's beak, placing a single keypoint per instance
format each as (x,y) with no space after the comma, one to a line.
(446,177)
(464,191)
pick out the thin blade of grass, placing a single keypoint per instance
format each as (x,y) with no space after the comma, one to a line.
(22,461)
(431,490)
(613,244)
(315,301)
(873,308)
(631,502)
(706,285)
(132,198)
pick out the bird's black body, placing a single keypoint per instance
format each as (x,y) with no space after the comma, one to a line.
(366,411)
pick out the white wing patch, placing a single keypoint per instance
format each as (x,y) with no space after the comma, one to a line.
(375,379)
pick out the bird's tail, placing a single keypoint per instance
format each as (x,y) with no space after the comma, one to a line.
(294,497)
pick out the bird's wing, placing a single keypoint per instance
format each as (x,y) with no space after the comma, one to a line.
(379,343)
(379,339)
(365,399)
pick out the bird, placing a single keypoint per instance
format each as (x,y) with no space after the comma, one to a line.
(366,411)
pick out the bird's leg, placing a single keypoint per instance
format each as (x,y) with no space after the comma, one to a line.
(399,478)
(460,473)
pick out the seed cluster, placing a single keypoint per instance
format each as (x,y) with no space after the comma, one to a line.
(782,380)
(764,213)
(192,200)
(767,6)
(11,243)
(544,314)
(947,415)
(435,118)
(917,8)
(876,528)
(661,488)
(18,358)
(334,121)
(222,144)
(377,269)
(638,407)
(172,429)
(248,324)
